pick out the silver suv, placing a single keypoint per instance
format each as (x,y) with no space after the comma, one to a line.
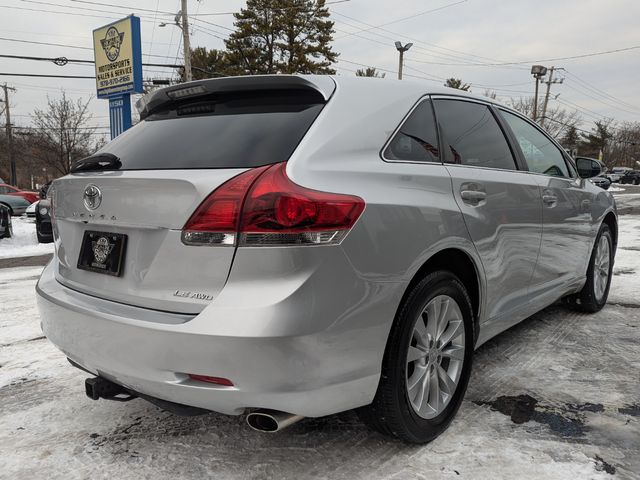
(290,246)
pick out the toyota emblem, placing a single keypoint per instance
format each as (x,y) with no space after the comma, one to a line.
(92,197)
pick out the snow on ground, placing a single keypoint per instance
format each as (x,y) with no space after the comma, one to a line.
(613,188)
(24,242)
(625,286)
(556,397)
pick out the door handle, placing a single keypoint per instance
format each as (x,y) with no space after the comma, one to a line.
(473,196)
(549,199)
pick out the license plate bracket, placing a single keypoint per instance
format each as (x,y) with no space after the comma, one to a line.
(103,252)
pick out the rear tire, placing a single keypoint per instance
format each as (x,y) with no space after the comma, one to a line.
(8,226)
(404,411)
(593,296)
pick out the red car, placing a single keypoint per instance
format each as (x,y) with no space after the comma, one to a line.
(9,190)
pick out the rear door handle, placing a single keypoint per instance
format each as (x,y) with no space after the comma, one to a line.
(473,197)
(549,199)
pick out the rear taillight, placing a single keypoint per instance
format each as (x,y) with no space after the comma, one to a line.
(215,221)
(265,208)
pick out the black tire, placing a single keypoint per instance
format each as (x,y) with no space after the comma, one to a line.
(8,208)
(391,412)
(42,238)
(585,300)
(5,220)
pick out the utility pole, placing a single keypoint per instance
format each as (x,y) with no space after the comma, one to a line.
(538,71)
(7,113)
(186,43)
(546,97)
(402,49)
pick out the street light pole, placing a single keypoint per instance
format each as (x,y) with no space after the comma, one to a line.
(401,49)
(538,71)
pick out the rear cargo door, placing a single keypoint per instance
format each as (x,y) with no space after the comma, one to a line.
(118,228)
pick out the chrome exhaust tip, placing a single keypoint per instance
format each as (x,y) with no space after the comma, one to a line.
(271,420)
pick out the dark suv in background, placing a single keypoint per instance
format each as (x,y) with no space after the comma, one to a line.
(631,177)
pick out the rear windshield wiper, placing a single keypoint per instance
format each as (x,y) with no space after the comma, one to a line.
(101,161)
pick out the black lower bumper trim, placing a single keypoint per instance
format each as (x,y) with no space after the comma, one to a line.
(100,387)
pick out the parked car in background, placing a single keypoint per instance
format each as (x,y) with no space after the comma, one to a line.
(324,244)
(615,174)
(11,190)
(16,204)
(601,181)
(631,177)
(6,228)
(43,222)
(31,210)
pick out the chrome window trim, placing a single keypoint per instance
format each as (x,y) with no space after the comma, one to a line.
(527,120)
(421,100)
(491,106)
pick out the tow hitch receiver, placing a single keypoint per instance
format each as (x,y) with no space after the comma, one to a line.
(99,387)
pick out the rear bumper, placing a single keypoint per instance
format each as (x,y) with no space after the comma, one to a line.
(309,373)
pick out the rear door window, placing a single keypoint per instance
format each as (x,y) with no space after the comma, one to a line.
(232,130)
(539,151)
(471,135)
(417,138)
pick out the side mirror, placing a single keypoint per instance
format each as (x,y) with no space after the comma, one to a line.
(588,168)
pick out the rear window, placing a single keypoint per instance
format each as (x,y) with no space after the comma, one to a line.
(237,130)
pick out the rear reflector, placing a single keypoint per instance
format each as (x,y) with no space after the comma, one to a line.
(266,208)
(215,380)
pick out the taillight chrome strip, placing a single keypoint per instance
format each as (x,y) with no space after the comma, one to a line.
(270,239)
(223,239)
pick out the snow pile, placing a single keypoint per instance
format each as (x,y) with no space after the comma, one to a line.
(24,242)
(613,188)
(625,285)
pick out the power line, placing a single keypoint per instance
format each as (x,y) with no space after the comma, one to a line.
(42,75)
(62,61)
(456,53)
(372,27)
(135,7)
(62,45)
(598,91)
(598,98)
(44,43)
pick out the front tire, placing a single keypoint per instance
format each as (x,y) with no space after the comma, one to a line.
(593,296)
(427,362)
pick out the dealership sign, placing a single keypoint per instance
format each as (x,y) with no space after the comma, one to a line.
(118,57)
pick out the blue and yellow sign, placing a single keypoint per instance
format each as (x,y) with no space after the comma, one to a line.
(118,56)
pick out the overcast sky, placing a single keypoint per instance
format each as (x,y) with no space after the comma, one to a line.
(451,38)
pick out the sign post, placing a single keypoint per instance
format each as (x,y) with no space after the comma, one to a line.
(118,56)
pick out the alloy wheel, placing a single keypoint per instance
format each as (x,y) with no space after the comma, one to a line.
(435,356)
(601,268)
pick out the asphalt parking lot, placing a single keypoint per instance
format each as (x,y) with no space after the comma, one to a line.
(556,397)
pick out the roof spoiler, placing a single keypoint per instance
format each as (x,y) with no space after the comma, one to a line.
(151,102)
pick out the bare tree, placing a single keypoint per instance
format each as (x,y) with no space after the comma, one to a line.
(624,145)
(63,133)
(557,119)
(490,94)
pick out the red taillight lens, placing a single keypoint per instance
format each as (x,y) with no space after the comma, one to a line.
(276,204)
(274,211)
(224,382)
(215,221)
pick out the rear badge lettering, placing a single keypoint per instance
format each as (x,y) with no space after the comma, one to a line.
(194,295)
